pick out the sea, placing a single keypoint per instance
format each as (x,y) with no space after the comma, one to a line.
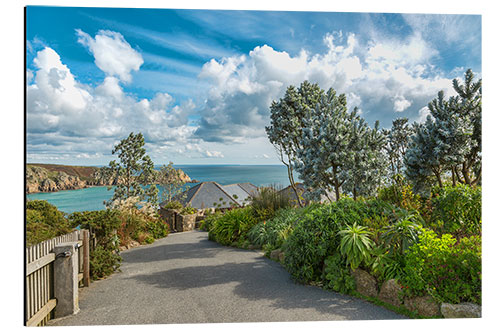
(93,198)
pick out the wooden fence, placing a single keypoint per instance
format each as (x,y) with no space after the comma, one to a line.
(39,288)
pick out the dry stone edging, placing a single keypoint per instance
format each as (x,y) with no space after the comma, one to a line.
(366,284)
(461,310)
(390,292)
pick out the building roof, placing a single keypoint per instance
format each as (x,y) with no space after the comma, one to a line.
(240,192)
(211,194)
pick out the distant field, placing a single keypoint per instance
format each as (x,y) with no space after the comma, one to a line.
(83,172)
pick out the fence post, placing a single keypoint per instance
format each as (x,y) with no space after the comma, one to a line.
(86,259)
(66,279)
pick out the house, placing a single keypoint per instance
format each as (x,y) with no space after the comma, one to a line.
(290,193)
(213,195)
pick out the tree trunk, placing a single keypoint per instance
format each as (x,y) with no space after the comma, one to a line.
(465,172)
(453,180)
(292,183)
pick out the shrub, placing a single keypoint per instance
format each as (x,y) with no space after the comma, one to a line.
(44,221)
(276,230)
(400,235)
(208,221)
(173,205)
(355,245)
(447,269)
(337,275)
(103,262)
(313,239)
(188,210)
(232,226)
(456,210)
(104,259)
(267,202)
(401,195)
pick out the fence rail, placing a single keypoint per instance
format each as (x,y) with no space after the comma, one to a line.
(39,289)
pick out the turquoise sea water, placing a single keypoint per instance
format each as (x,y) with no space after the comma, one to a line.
(92,198)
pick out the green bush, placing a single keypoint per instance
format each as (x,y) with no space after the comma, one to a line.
(208,221)
(313,239)
(447,269)
(173,205)
(104,259)
(456,210)
(232,226)
(275,231)
(337,275)
(44,221)
(400,195)
(267,202)
(188,210)
(355,245)
(103,262)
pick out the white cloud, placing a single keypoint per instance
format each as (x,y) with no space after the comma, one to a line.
(112,53)
(65,115)
(380,77)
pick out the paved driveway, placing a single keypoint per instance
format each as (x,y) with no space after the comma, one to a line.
(185,278)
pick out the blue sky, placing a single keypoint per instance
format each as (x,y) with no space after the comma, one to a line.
(198,83)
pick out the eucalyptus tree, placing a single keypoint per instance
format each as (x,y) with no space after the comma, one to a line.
(134,173)
(338,150)
(288,116)
(450,139)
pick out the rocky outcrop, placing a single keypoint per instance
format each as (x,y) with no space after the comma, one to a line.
(53,177)
(389,292)
(425,306)
(462,310)
(366,284)
(39,179)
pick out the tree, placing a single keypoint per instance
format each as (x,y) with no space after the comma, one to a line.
(134,173)
(287,121)
(339,150)
(171,181)
(450,139)
(397,144)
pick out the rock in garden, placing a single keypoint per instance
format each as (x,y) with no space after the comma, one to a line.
(390,292)
(275,254)
(365,283)
(462,310)
(425,306)
(281,257)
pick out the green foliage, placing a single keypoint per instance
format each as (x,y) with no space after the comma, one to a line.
(403,233)
(337,275)
(267,202)
(384,265)
(355,244)
(313,239)
(207,223)
(44,221)
(401,195)
(133,172)
(232,226)
(171,181)
(188,210)
(275,231)
(103,262)
(457,210)
(447,269)
(172,205)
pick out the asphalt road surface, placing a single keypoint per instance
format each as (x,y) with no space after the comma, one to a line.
(185,278)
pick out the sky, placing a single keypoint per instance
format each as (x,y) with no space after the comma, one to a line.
(198,83)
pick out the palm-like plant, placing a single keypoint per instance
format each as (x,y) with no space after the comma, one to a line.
(355,244)
(399,236)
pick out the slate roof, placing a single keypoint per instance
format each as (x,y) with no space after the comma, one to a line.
(211,194)
(241,191)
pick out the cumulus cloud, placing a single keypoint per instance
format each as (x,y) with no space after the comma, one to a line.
(112,53)
(380,77)
(64,114)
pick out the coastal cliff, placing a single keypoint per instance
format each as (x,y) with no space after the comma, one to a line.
(54,177)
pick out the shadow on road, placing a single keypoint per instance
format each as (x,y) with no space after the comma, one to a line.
(260,280)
